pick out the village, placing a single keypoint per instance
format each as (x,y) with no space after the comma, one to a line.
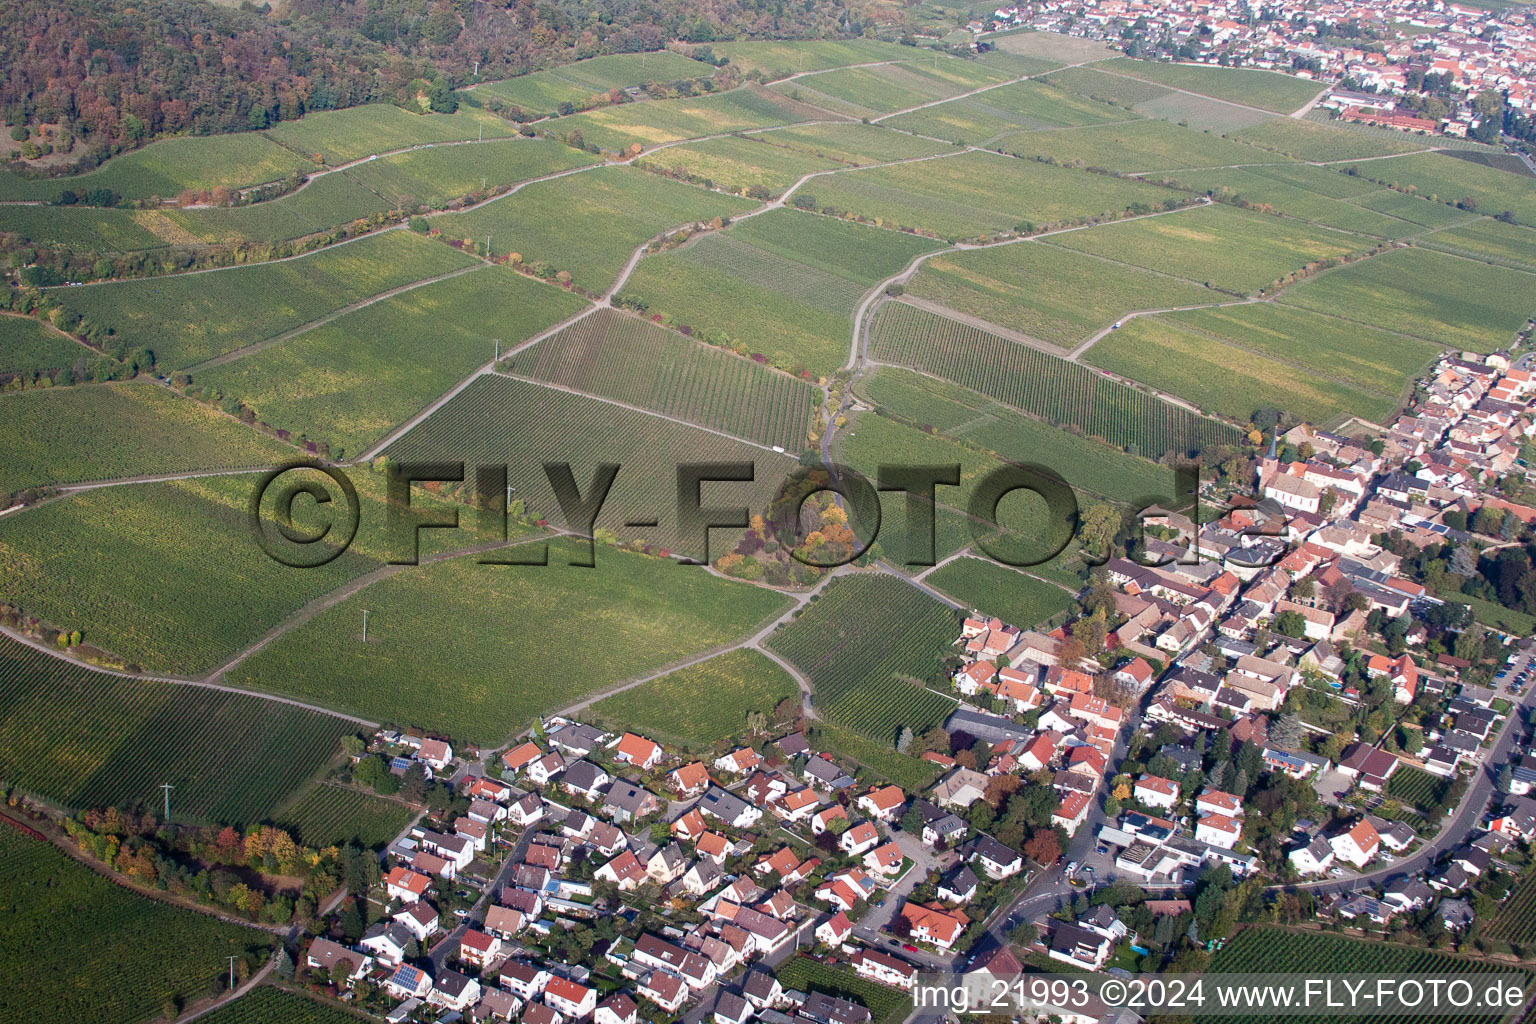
(1387,59)
(1271,695)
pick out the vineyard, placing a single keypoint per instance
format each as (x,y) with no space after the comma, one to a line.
(1148,145)
(131,568)
(632,360)
(872,441)
(1226,377)
(191,317)
(1042,385)
(274,1006)
(1255,249)
(434,176)
(1509,245)
(1267,89)
(127,954)
(27,346)
(1448,301)
(85,740)
(543,91)
(167,167)
(1276,951)
(780,58)
(1326,181)
(331,816)
(852,144)
(738,162)
(477,651)
(350,381)
(87,228)
(703,705)
(975,193)
(856,252)
(1023,106)
(615,129)
(1415,209)
(996,590)
(884,88)
(1516,923)
(975,419)
(1418,787)
(321,205)
(783,285)
(886,1005)
(98,432)
(1253,186)
(1448,180)
(1047,292)
(587,224)
(503,420)
(733,293)
(867,644)
(911,773)
(340,136)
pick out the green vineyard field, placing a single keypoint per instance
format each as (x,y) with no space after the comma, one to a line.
(1042,385)
(866,666)
(703,705)
(641,363)
(328,815)
(85,739)
(128,953)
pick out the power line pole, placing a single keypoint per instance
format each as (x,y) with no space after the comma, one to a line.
(497,357)
(167,787)
(365,625)
(232,960)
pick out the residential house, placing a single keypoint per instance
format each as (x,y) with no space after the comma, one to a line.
(571,1000)
(1358,846)
(834,931)
(689,781)
(884,968)
(935,923)
(638,751)
(585,779)
(1155,791)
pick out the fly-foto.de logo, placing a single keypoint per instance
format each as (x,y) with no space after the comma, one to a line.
(306,514)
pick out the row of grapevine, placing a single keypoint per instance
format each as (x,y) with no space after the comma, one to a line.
(87,739)
(128,954)
(1041,384)
(867,644)
(811,285)
(1516,922)
(1276,951)
(614,355)
(273,1006)
(332,816)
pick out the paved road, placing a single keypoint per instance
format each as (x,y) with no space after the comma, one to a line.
(448,947)
(1469,814)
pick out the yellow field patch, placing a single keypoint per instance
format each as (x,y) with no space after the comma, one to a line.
(161,226)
